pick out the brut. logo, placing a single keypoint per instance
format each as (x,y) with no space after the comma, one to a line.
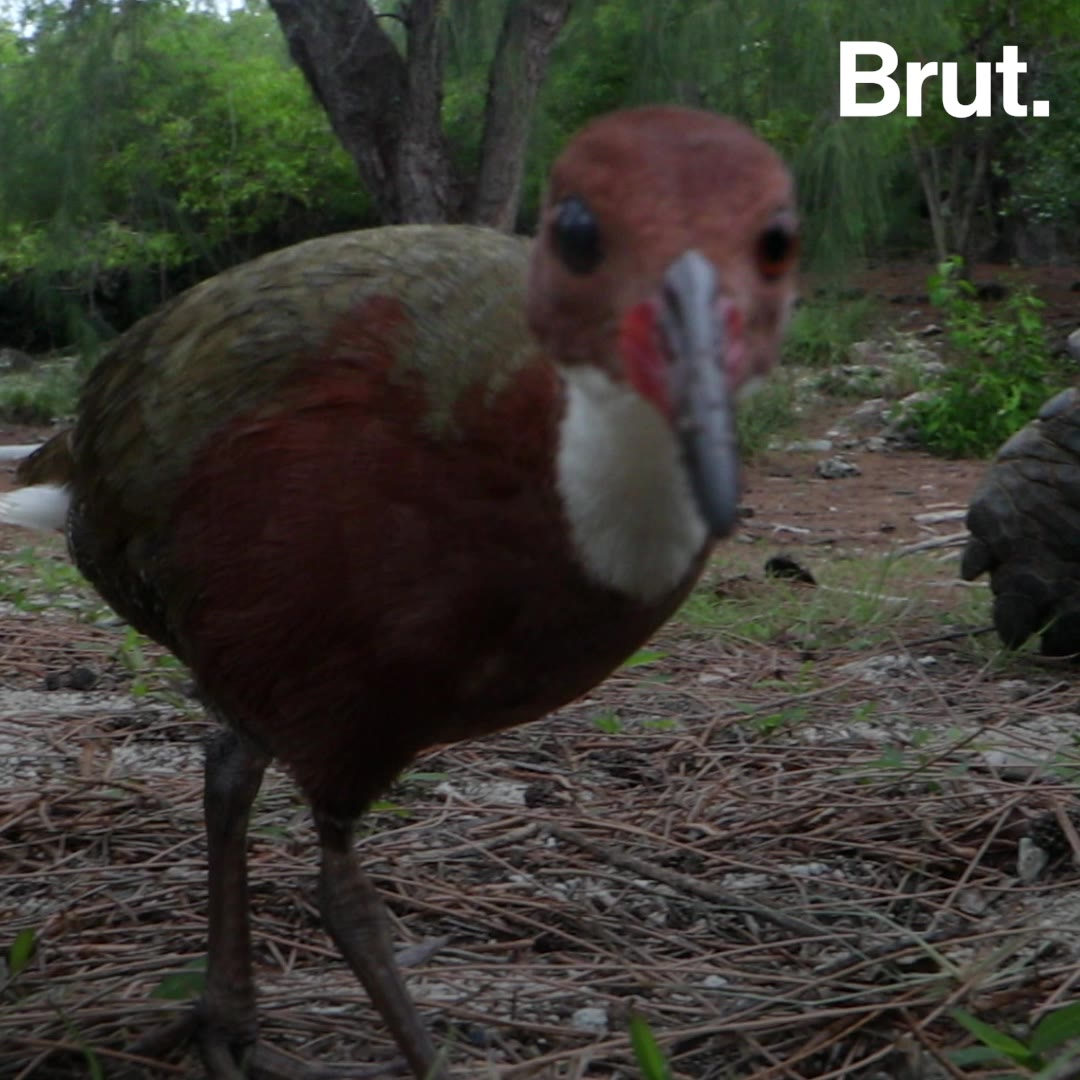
(1008,67)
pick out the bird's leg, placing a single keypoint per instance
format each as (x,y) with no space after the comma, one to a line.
(224,1019)
(357,920)
(234,771)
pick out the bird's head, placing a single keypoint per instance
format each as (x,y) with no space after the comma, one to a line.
(665,259)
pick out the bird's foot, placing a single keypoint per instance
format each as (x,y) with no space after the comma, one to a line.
(226,1050)
(229,1056)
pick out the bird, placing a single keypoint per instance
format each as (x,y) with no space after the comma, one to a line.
(1024,525)
(399,487)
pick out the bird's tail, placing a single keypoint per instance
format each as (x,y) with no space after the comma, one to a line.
(17,453)
(45,472)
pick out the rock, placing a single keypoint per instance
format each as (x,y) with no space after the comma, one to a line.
(900,429)
(852,380)
(880,669)
(1024,518)
(837,469)
(1072,345)
(82,678)
(810,446)
(869,415)
(1059,405)
(591,1019)
(864,352)
(781,566)
(1016,689)
(78,677)
(1031,860)
(848,442)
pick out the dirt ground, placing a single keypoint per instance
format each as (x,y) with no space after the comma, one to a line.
(788,839)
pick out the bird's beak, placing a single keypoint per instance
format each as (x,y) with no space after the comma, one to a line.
(700,396)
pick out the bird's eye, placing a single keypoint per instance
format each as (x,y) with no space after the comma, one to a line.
(576,236)
(776,250)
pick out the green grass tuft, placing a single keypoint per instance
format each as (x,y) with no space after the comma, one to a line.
(822,331)
(767,413)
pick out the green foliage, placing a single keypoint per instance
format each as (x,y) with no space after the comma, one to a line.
(773,66)
(1036,164)
(1047,188)
(641,658)
(766,413)
(182,985)
(596,67)
(138,138)
(42,577)
(21,952)
(859,609)
(41,396)
(647,1052)
(767,724)
(822,331)
(608,722)
(154,673)
(149,142)
(1002,374)
(1054,1032)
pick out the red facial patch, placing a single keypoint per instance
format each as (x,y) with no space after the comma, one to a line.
(643,355)
(736,360)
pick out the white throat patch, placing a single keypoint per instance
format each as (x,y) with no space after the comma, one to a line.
(633,519)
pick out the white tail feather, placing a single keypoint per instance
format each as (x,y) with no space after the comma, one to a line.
(17,453)
(43,506)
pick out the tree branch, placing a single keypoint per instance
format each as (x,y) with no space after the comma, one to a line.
(358,76)
(925,168)
(529,31)
(423,158)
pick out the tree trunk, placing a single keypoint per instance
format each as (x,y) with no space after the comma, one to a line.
(528,35)
(925,166)
(974,197)
(423,158)
(384,107)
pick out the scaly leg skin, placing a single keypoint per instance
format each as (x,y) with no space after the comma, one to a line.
(356,919)
(223,1021)
(234,772)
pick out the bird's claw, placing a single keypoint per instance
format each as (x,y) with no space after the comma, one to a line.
(258,1061)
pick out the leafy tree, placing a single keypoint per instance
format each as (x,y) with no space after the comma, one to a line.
(141,138)
(985,179)
(148,142)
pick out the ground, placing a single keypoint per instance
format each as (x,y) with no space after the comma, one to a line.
(786,835)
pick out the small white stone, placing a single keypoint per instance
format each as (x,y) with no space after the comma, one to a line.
(811,869)
(836,468)
(592,1019)
(1031,860)
(810,446)
(1016,689)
